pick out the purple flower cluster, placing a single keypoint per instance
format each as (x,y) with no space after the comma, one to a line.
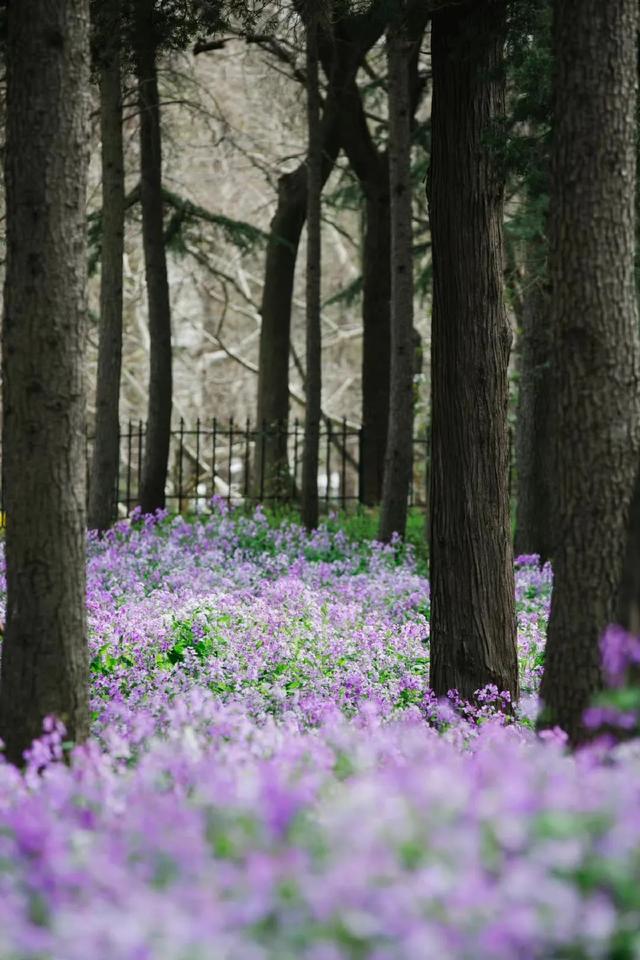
(269,776)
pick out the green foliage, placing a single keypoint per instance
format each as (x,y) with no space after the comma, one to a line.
(186,224)
(106,663)
(529,79)
(188,216)
(348,296)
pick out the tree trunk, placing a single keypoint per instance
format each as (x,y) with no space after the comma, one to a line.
(376,334)
(353,37)
(371,167)
(473,627)
(272,465)
(313,383)
(106,450)
(594,318)
(398,456)
(44,651)
(534,425)
(158,437)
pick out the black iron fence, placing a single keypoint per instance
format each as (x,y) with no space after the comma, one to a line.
(217,458)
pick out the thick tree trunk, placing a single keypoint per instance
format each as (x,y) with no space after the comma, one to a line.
(376,333)
(594,318)
(313,382)
(473,628)
(44,651)
(398,456)
(106,450)
(156,450)
(534,425)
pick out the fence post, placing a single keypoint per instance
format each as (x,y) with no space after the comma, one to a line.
(197,478)
(343,472)
(328,490)
(360,465)
(230,459)
(247,459)
(294,482)
(214,430)
(116,492)
(180,453)
(129,441)
(142,431)
(262,451)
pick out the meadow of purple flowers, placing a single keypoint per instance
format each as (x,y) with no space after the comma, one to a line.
(269,778)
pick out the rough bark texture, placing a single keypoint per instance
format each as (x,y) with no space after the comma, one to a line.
(313,380)
(473,625)
(106,453)
(594,317)
(398,455)
(44,651)
(156,451)
(534,425)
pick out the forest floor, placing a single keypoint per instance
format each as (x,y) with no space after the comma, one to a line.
(270,779)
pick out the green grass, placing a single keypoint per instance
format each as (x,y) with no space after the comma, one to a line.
(362,524)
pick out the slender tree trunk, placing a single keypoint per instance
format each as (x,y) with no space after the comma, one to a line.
(271,477)
(272,465)
(156,451)
(376,334)
(372,170)
(348,47)
(473,628)
(313,384)
(534,425)
(44,651)
(371,167)
(594,318)
(106,450)
(398,456)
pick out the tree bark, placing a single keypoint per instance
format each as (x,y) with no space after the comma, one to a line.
(272,465)
(473,627)
(398,455)
(44,650)
(157,440)
(595,323)
(353,37)
(313,382)
(534,424)
(371,167)
(106,450)
(376,332)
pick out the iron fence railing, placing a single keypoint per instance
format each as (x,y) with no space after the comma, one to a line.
(219,458)
(215,457)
